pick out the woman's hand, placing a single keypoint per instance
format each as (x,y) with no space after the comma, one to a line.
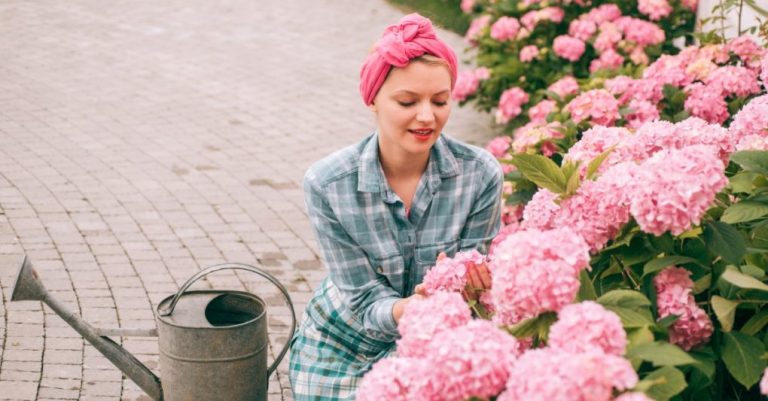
(478,281)
(399,306)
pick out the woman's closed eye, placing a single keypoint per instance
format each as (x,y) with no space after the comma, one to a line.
(436,103)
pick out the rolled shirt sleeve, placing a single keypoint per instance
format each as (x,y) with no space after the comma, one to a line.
(368,294)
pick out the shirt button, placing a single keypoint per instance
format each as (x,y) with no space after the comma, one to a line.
(379,269)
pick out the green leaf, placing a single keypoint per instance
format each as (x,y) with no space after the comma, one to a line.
(755,323)
(661,263)
(663,384)
(595,164)
(742,357)
(752,160)
(753,5)
(742,182)
(661,353)
(574,181)
(534,326)
(744,211)
(542,171)
(631,318)
(586,288)
(725,241)
(741,280)
(725,310)
(624,298)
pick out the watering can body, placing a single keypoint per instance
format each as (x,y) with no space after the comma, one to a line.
(213,344)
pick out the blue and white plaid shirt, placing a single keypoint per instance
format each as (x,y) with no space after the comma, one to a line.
(375,252)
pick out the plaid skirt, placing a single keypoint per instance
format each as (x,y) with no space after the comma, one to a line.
(329,353)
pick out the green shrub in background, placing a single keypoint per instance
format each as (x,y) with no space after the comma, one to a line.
(444,13)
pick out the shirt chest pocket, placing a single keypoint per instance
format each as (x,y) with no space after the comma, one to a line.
(426,256)
(393,270)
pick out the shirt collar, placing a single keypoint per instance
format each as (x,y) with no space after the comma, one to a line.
(442,163)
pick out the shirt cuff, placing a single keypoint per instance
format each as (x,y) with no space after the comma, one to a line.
(382,322)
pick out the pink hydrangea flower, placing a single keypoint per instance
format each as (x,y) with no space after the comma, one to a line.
(476,28)
(633,396)
(618,85)
(674,297)
(695,131)
(504,232)
(764,71)
(642,112)
(596,212)
(510,104)
(654,9)
(564,86)
(752,142)
(536,271)
(533,134)
(540,211)
(752,119)
(557,375)
(499,146)
(529,53)
(603,13)
(748,51)
(733,81)
(467,6)
(638,56)
(691,4)
(642,32)
(476,359)
(582,29)
(607,38)
(466,85)
(764,383)
(511,214)
(505,28)
(450,274)
(594,142)
(598,105)
(706,103)
(588,327)
(568,47)
(386,381)
(423,319)
(532,18)
(669,70)
(541,110)
(608,59)
(700,68)
(674,188)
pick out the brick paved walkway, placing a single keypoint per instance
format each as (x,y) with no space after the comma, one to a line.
(143,140)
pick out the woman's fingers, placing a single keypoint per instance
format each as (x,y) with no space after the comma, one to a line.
(420,289)
(484,274)
(441,256)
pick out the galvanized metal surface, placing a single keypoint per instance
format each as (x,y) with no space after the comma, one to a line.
(213,344)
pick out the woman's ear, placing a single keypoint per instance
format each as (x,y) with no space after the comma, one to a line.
(372,107)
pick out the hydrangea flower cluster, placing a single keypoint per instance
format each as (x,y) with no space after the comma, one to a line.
(764,383)
(536,133)
(535,271)
(597,105)
(423,319)
(470,360)
(468,81)
(558,375)
(510,104)
(451,274)
(599,330)
(674,297)
(674,188)
(749,128)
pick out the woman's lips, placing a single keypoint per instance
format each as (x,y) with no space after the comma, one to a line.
(422,134)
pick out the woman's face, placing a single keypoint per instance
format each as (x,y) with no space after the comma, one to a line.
(412,107)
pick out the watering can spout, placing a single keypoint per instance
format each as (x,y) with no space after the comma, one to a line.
(29,287)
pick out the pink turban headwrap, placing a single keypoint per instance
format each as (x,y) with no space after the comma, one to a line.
(399,44)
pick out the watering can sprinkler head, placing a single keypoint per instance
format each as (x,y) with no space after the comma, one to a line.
(27,286)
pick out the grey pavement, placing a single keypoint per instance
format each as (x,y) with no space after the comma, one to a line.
(141,141)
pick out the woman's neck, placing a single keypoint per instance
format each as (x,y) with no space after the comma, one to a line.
(401,165)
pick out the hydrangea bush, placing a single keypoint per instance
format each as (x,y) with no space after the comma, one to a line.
(636,272)
(524,47)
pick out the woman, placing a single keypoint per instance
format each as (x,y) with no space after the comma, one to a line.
(383,210)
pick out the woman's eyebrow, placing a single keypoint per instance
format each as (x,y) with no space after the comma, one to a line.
(406,91)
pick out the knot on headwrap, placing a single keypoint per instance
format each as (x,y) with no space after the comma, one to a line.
(412,37)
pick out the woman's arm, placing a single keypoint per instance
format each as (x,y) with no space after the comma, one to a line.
(367,293)
(484,219)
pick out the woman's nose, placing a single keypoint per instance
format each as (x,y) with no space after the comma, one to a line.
(425,113)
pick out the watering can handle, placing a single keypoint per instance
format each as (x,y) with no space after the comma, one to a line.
(239,266)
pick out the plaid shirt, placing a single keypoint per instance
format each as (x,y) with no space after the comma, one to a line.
(377,253)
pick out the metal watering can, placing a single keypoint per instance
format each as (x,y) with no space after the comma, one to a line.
(213,344)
